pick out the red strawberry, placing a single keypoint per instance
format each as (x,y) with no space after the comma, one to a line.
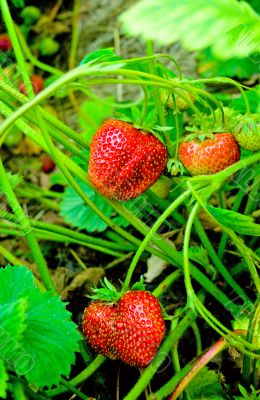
(5,42)
(124,161)
(48,164)
(37,84)
(140,328)
(98,322)
(209,156)
(130,330)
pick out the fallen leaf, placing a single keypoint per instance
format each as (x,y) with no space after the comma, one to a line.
(88,277)
(155,266)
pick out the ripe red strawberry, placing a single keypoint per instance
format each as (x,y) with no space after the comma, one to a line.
(5,42)
(37,84)
(98,320)
(209,156)
(124,161)
(130,330)
(140,328)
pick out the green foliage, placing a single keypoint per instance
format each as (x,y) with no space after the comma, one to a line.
(239,223)
(18,3)
(206,386)
(100,55)
(77,213)
(42,340)
(92,115)
(246,395)
(242,68)
(229,27)
(3,379)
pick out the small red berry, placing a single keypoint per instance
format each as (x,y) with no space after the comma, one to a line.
(124,161)
(48,164)
(37,84)
(5,42)
(209,156)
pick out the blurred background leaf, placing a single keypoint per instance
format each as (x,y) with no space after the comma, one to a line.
(229,27)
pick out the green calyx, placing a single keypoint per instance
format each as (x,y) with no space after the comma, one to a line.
(146,123)
(108,292)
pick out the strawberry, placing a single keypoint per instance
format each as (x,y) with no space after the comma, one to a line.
(124,161)
(5,43)
(98,320)
(181,104)
(247,132)
(130,330)
(209,156)
(37,84)
(48,165)
(140,328)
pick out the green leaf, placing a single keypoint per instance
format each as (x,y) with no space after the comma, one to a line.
(209,66)
(50,339)
(18,3)
(15,282)
(3,380)
(100,55)
(199,255)
(12,326)
(237,222)
(44,339)
(95,113)
(77,213)
(205,386)
(232,27)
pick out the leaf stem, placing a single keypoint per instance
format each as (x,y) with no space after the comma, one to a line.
(27,229)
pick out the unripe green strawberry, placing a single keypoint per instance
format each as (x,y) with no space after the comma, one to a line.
(181,104)
(48,46)
(209,156)
(124,161)
(130,330)
(13,138)
(30,14)
(247,133)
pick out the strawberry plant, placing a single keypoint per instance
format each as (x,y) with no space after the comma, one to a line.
(156,191)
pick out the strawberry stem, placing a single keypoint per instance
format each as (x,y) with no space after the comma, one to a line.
(158,102)
(203,360)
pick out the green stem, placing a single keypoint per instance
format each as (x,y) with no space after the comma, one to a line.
(157,98)
(85,374)
(148,237)
(186,266)
(72,389)
(203,360)
(241,344)
(253,197)
(39,64)
(224,238)
(167,282)
(18,391)
(196,332)
(166,347)
(27,229)
(218,264)
(252,336)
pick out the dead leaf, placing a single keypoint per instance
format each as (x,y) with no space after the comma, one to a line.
(90,276)
(155,266)
(27,147)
